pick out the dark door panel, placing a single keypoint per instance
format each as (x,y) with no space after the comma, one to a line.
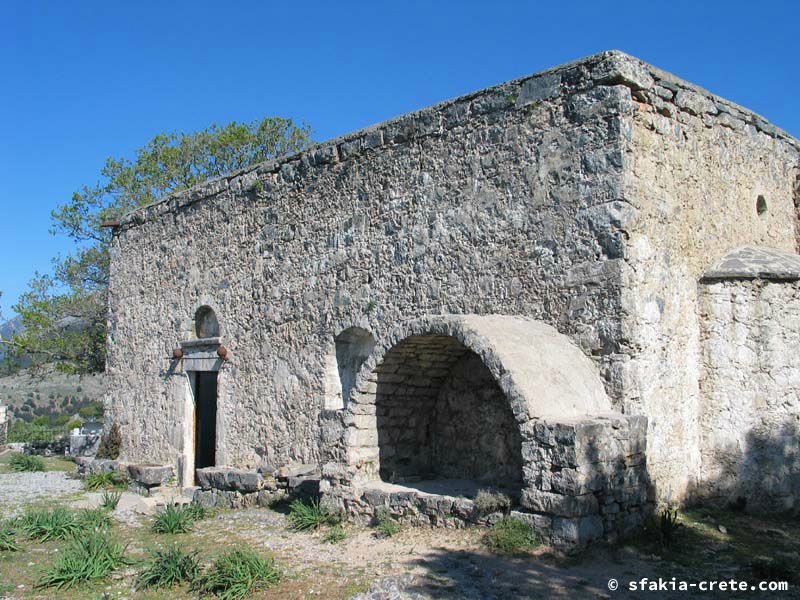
(205,431)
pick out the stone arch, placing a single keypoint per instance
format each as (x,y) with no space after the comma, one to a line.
(517,368)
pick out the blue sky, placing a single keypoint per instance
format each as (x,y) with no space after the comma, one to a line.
(81,81)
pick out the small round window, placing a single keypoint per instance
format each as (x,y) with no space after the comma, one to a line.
(205,323)
(761,206)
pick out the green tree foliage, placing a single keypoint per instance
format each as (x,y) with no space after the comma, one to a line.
(93,410)
(64,314)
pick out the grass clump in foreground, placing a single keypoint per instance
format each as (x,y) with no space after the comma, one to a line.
(89,557)
(385,523)
(174,519)
(236,573)
(20,462)
(198,512)
(110,500)
(44,525)
(309,514)
(7,541)
(94,519)
(335,534)
(510,535)
(103,480)
(165,568)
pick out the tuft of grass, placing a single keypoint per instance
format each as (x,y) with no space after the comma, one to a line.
(236,573)
(309,514)
(510,535)
(198,512)
(385,523)
(165,568)
(7,541)
(487,502)
(89,557)
(173,519)
(44,525)
(20,462)
(110,500)
(668,526)
(94,519)
(103,480)
(335,534)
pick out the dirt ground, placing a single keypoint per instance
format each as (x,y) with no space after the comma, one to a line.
(437,563)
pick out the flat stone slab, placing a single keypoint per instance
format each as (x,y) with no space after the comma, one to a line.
(755,262)
(150,475)
(223,478)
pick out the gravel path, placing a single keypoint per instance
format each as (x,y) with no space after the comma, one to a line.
(19,489)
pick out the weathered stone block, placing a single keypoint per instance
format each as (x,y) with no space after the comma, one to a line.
(558,504)
(150,475)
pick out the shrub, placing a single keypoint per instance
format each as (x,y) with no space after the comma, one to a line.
(43,525)
(73,424)
(110,443)
(236,573)
(385,523)
(335,534)
(104,479)
(165,568)
(510,535)
(7,541)
(487,502)
(110,500)
(89,557)
(304,515)
(173,519)
(25,462)
(94,519)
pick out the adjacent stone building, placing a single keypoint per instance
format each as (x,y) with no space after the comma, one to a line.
(579,287)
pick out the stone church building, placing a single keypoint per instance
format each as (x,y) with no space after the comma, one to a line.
(580,288)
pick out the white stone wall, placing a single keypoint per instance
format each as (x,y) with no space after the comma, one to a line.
(750,385)
(695,166)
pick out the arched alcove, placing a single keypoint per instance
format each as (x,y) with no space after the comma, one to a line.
(448,400)
(350,349)
(206,324)
(440,414)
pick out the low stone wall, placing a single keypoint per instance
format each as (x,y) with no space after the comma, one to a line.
(589,478)
(144,479)
(586,480)
(223,487)
(750,381)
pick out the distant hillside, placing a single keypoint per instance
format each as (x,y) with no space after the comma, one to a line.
(51,393)
(8,329)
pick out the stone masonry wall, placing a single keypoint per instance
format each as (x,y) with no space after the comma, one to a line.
(591,197)
(475,435)
(591,483)
(750,384)
(491,203)
(696,165)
